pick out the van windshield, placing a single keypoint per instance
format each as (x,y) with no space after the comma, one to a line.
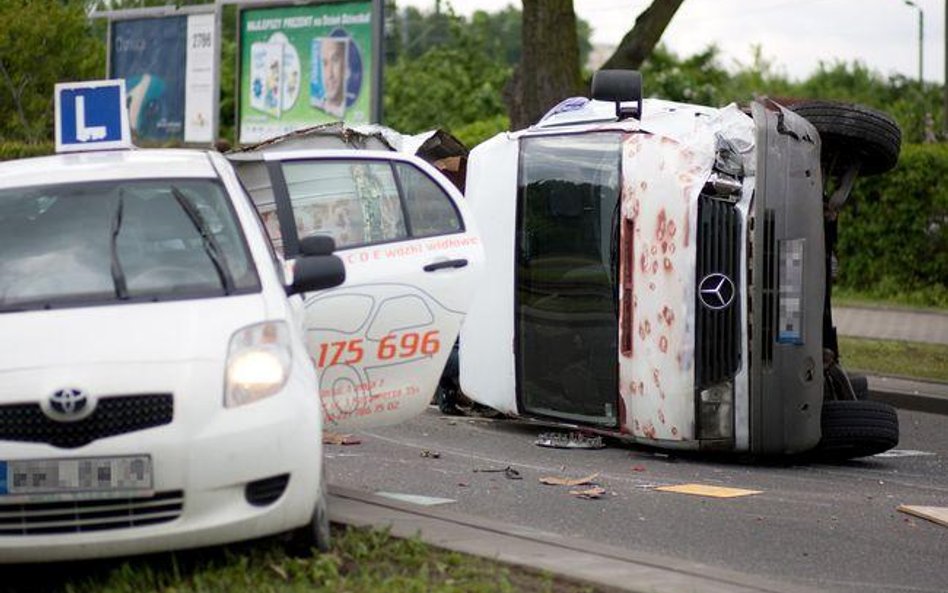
(95,243)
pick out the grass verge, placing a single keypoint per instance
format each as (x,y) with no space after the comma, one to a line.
(906,359)
(361,561)
(934,298)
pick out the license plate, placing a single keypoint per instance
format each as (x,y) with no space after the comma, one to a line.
(65,479)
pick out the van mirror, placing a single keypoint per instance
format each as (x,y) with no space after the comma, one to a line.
(317,272)
(317,245)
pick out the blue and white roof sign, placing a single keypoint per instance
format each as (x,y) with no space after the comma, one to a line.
(91,116)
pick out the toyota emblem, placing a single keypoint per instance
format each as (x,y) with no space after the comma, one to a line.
(68,405)
(716,291)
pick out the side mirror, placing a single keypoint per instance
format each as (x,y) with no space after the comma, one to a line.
(619,86)
(317,245)
(317,272)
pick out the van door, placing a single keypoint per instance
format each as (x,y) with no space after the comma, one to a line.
(566,307)
(380,341)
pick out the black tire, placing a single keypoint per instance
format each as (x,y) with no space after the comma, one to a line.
(617,85)
(857,429)
(851,132)
(316,533)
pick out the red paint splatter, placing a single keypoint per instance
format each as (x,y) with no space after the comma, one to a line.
(674,431)
(668,315)
(641,388)
(643,262)
(664,247)
(671,228)
(654,250)
(643,185)
(661,416)
(651,286)
(662,222)
(655,267)
(656,377)
(633,387)
(668,265)
(649,430)
(663,344)
(671,248)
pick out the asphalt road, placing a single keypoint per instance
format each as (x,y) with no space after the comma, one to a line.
(830,527)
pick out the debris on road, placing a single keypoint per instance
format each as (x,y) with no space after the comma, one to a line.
(509,472)
(430,454)
(571,440)
(709,491)
(557,481)
(937,515)
(638,468)
(589,493)
(335,438)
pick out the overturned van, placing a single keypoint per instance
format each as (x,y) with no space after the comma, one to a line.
(659,272)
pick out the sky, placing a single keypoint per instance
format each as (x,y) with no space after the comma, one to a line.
(794,35)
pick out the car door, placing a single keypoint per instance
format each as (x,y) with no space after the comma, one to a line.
(380,341)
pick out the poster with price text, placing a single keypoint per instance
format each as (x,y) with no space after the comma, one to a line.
(325,70)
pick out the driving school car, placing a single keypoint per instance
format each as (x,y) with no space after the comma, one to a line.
(660,272)
(155,387)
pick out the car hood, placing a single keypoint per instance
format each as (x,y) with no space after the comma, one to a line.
(187,330)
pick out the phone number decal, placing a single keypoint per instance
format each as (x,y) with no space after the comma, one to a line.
(391,347)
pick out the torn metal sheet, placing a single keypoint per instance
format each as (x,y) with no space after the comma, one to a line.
(709,491)
(934,514)
(416,498)
(572,440)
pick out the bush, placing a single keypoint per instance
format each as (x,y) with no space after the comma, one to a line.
(22,150)
(893,236)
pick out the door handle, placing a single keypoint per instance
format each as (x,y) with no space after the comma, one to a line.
(450,263)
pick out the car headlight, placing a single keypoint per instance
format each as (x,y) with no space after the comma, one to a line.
(258,363)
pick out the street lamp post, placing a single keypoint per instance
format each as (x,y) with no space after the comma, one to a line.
(921,40)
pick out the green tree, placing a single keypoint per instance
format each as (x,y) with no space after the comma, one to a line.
(41,43)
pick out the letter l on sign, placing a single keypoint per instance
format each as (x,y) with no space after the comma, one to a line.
(91,116)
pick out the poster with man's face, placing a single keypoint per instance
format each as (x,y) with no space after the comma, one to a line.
(321,60)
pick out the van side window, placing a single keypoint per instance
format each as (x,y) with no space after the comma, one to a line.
(355,202)
(430,210)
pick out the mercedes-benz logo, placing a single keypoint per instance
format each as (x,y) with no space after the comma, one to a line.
(68,404)
(716,291)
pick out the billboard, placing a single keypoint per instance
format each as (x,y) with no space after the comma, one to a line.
(169,64)
(301,66)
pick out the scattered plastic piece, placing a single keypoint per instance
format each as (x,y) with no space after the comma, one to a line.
(937,515)
(589,493)
(710,491)
(557,481)
(335,438)
(431,454)
(571,440)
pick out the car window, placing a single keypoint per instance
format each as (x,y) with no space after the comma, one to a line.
(430,209)
(355,202)
(130,240)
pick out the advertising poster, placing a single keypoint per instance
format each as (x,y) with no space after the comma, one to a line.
(302,66)
(151,54)
(201,81)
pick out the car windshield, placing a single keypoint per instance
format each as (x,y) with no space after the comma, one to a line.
(117,241)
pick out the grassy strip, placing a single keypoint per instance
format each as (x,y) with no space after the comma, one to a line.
(933,298)
(361,561)
(907,359)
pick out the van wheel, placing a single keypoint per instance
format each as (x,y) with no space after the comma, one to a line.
(857,429)
(853,133)
(314,534)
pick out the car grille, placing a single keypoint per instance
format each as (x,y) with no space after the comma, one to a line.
(717,336)
(769,290)
(80,516)
(112,416)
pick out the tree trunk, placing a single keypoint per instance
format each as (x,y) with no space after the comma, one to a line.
(549,65)
(638,43)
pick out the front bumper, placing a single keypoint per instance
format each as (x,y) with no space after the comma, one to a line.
(208,454)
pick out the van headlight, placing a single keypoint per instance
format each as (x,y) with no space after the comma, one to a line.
(716,412)
(258,363)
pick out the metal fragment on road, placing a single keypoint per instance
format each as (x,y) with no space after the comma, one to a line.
(430,454)
(335,438)
(589,493)
(509,472)
(571,440)
(709,491)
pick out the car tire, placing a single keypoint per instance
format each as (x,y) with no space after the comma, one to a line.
(316,533)
(851,132)
(857,429)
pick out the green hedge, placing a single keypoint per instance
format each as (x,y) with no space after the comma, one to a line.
(20,150)
(893,234)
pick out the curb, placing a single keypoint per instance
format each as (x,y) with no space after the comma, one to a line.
(573,559)
(904,394)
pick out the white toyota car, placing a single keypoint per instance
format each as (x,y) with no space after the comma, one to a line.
(157,385)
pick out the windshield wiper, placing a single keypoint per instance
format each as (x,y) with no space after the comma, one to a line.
(208,241)
(118,275)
